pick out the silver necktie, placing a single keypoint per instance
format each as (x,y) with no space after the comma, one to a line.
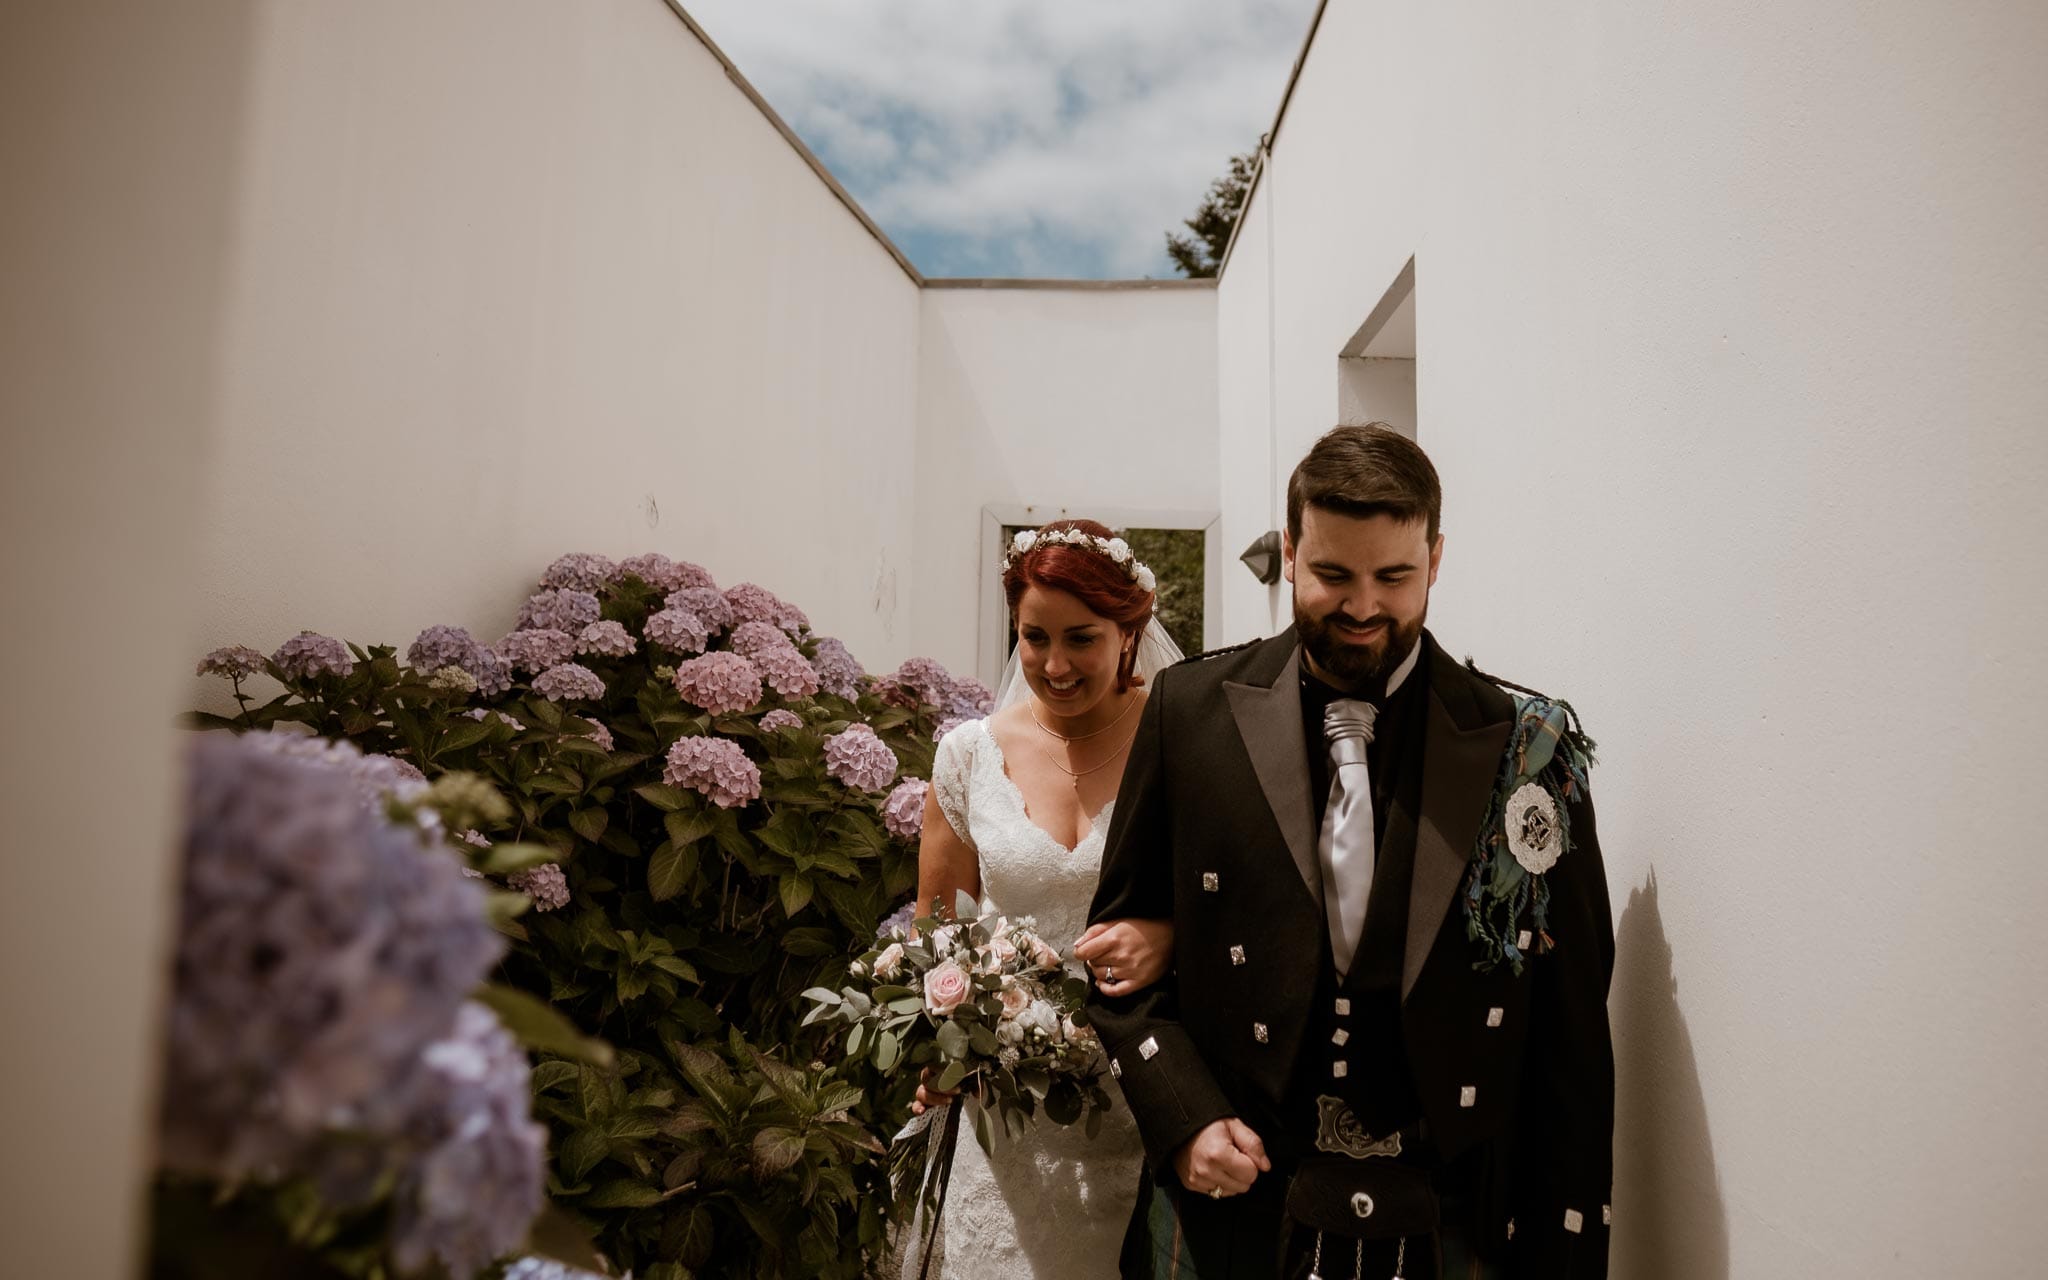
(1345,847)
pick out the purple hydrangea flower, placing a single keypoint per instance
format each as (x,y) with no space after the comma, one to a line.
(601,736)
(664,574)
(860,759)
(579,571)
(786,672)
(558,610)
(897,923)
(309,654)
(568,681)
(677,629)
(903,811)
(320,949)
(721,683)
(545,884)
(751,603)
(470,835)
(606,639)
(236,662)
(780,719)
(969,698)
(537,649)
(925,678)
(707,603)
(839,672)
(949,724)
(377,779)
(715,768)
(439,647)
(493,673)
(478,1178)
(750,639)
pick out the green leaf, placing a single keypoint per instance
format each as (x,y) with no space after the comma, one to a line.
(589,823)
(553,1075)
(953,1040)
(584,1150)
(776,1149)
(678,966)
(538,1026)
(666,798)
(887,1050)
(556,1236)
(671,869)
(466,734)
(951,1077)
(504,859)
(796,893)
(623,1193)
(688,828)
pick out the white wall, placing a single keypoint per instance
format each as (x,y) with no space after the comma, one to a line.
(516,278)
(117,130)
(1089,399)
(1730,322)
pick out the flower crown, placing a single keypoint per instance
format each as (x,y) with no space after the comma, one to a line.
(1116,549)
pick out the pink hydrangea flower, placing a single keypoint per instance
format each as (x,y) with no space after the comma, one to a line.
(859,759)
(787,672)
(678,630)
(606,639)
(579,571)
(751,639)
(309,654)
(926,678)
(707,603)
(715,768)
(751,603)
(236,662)
(721,683)
(538,649)
(545,885)
(780,719)
(839,672)
(558,609)
(903,811)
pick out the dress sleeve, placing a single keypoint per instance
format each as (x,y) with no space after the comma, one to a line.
(952,767)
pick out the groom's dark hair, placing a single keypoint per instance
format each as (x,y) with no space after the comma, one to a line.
(1366,471)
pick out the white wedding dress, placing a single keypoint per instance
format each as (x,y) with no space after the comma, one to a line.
(1052,1205)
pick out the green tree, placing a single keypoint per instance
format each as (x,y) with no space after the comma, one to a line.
(1200,255)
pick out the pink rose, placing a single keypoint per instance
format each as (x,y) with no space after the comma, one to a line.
(1005,952)
(1045,957)
(890,961)
(1015,997)
(945,987)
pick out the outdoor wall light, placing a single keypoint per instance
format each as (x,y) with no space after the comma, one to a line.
(1263,557)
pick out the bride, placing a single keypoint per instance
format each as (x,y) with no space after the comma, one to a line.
(1016,817)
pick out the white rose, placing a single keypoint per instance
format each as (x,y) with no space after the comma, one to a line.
(1010,1033)
(1023,542)
(1015,1000)
(890,962)
(1039,1017)
(1119,550)
(1146,580)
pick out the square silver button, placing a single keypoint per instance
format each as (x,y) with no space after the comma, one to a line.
(1574,1221)
(1237,955)
(1523,939)
(1260,1033)
(1210,882)
(1606,1215)
(1116,1068)
(1468,1096)
(1343,1006)
(1340,1068)
(1493,1016)
(1149,1048)
(1341,1038)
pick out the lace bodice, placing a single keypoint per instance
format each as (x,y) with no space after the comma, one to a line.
(1052,1205)
(1024,870)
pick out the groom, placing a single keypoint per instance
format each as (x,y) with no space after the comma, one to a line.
(1365,989)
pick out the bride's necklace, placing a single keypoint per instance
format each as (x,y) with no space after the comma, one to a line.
(1110,759)
(1081,737)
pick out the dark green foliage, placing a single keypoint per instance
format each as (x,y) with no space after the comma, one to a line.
(1200,255)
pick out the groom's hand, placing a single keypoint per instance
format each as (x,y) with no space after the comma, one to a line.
(1226,1155)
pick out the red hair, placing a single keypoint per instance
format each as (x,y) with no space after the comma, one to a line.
(1088,575)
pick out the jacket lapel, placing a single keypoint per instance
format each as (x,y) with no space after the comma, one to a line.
(1467,728)
(1268,715)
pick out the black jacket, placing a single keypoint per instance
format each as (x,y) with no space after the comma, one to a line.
(1214,828)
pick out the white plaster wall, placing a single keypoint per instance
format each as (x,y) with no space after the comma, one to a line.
(1089,399)
(1729,333)
(117,141)
(517,278)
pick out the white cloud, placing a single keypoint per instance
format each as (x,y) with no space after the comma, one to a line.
(1020,136)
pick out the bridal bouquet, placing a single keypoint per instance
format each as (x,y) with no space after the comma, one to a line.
(988,1005)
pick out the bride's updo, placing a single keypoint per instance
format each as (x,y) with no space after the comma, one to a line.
(1088,571)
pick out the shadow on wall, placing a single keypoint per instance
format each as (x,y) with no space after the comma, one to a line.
(1669,1220)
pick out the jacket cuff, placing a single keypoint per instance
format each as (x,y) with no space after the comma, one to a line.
(1170,1091)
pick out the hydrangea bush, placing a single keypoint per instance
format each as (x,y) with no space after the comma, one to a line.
(728,805)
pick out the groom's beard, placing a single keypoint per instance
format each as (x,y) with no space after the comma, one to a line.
(1358,666)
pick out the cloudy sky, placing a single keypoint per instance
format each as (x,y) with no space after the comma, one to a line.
(1020,137)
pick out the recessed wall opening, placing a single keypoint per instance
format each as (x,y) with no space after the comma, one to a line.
(1376,368)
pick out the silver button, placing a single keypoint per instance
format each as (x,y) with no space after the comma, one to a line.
(1340,1068)
(1468,1096)
(1147,1049)
(1340,1038)
(1522,940)
(1116,1068)
(1493,1016)
(1574,1221)
(1210,881)
(1511,1228)
(1259,1032)
(1606,1215)
(1343,1006)
(1361,1204)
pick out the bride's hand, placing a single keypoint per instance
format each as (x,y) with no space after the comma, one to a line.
(1126,955)
(930,1095)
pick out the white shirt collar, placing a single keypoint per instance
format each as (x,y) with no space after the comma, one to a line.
(1407,665)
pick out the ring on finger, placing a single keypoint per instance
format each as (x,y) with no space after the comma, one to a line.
(1216,1192)
(1109,973)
